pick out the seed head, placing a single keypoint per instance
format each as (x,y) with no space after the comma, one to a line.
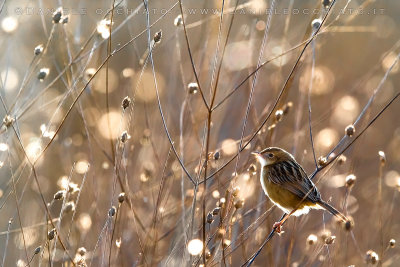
(217,155)
(226,243)
(57,15)
(8,120)
(326,3)
(111,212)
(371,257)
(221,202)
(350,180)
(279,115)
(178,21)
(350,130)
(193,88)
(311,239)
(316,23)
(287,107)
(37,250)
(236,191)
(121,197)
(51,234)
(322,161)
(81,251)
(38,50)
(124,136)
(330,239)
(349,224)
(43,72)
(59,195)
(126,102)
(392,243)
(239,203)
(382,157)
(157,36)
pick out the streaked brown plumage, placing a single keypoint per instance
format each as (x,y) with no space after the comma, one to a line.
(287,185)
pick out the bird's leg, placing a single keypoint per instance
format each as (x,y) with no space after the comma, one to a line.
(278,225)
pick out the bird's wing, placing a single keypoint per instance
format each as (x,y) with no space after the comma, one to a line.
(291,176)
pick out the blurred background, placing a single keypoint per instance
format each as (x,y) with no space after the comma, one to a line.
(126,132)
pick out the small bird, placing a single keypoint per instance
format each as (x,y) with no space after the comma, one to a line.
(287,185)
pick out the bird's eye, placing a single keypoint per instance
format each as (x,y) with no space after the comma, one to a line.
(270,155)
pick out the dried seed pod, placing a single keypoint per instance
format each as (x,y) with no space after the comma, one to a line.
(38,50)
(111,211)
(350,180)
(279,115)
(239,204)
(37,250)
(226,243)
(121,197)
(316,23)
(42,74)
(193,88)
(326,3)
(330,239)
(236,191)
(216,211)
(124,137)
(157,36)
(217,155)
(221,202)
(178,21)
(371,257)
(8,120)
(51,234)
(57,15)
(350,130)
(382,157)
(312,239)
(322,161)
(287,107)
(126,102)
(349,224)
(81,251)
(59,195)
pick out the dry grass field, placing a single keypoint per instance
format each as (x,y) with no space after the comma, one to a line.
(128,126)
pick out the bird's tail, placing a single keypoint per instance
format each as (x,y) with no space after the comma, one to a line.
(332,210)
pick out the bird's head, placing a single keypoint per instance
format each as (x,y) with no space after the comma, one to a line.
(272,155)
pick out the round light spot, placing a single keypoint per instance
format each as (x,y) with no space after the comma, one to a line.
(114,118)
(99,81)
(145,91)
(82,166)
(9,24)
(195,247)
(229,147)
(326,138)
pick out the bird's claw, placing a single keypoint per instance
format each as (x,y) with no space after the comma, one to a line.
(278,227)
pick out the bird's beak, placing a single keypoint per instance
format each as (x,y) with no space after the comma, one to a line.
(256,154)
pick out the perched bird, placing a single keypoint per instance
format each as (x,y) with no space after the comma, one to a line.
(287,185)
